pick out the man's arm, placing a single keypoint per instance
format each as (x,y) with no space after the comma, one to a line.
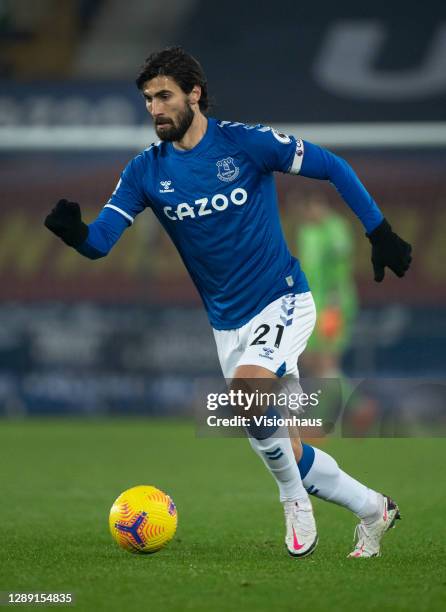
(94,240)
(97,239)
(388,249)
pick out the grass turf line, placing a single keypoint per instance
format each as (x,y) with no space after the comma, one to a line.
(59,479)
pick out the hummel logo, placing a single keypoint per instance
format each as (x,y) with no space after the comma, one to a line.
(266,352)
(166,187)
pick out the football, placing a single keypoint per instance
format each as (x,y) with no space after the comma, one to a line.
(143,519)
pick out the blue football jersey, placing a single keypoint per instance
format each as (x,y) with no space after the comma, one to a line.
(218,203)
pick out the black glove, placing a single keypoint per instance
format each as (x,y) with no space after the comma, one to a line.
(65,221)
(388,249)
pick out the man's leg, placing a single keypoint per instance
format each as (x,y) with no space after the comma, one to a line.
(323,478)
(275,338)
(275,451)
(277,454)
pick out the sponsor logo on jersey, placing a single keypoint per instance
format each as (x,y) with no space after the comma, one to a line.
(227,170)
(206,206)
(166,187)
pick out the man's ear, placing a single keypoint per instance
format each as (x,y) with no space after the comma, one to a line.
(195,94)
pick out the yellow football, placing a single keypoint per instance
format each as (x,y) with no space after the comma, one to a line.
(143,519)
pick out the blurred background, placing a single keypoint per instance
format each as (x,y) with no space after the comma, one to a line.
(127,334)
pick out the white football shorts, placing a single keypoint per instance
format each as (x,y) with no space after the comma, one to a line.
(273,339)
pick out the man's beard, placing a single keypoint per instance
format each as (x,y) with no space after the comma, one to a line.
(174,133)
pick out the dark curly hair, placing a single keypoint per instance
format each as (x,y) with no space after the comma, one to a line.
(176,63)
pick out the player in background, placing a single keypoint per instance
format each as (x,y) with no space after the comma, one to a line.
(210,183)
(325,246)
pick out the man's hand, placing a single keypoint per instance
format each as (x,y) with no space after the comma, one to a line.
(65,221)
(388,249)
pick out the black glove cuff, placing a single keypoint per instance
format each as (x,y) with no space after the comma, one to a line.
(382,231)
(75,236)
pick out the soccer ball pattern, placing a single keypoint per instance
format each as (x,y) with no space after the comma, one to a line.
(143,519)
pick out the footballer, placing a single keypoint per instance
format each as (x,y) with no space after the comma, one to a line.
(211,185)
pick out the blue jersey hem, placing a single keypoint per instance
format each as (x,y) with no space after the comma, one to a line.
(304,288)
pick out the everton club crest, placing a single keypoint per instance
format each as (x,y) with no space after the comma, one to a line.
(227,170)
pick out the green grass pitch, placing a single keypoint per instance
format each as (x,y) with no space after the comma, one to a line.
(59,479)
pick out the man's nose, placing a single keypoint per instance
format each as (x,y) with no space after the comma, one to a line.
(157,108)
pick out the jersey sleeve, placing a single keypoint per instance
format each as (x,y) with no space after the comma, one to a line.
(103,234)
(129,198)
(319,163)
(270,150)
